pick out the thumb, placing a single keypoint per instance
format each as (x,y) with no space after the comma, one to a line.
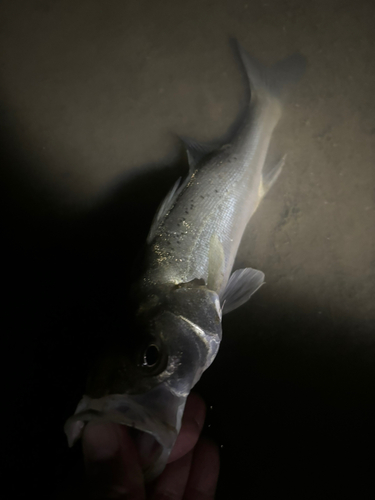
(112,464)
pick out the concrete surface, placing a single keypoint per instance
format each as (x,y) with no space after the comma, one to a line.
(92,95)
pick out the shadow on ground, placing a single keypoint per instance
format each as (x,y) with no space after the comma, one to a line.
(293,416)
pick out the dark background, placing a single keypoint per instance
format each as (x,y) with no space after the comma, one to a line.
(91,95)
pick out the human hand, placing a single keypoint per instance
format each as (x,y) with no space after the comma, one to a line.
(113,470)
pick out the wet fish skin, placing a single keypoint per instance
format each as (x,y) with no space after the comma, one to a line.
(222,191)
(186,284)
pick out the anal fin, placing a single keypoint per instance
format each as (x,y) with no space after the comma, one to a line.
(269,178)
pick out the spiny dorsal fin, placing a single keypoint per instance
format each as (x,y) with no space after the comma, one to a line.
(241,286)
(197,150)
(164,207)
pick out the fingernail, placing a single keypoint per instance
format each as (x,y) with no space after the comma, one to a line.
(101,441)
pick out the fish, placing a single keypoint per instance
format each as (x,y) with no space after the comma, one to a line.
(185,283)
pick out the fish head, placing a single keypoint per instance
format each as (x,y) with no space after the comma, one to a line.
(145,382)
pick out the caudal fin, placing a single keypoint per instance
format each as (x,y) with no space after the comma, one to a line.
(271,79)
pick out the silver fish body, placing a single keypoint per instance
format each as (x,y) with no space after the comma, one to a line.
(209,214)
(186,284)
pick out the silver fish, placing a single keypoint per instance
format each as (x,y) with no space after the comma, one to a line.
(186,283)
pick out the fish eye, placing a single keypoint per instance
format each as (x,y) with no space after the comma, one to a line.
(151,356)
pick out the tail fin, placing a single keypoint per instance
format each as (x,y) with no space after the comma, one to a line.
(274,78)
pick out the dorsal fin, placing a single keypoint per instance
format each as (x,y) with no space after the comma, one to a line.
(197,150)
(164,207)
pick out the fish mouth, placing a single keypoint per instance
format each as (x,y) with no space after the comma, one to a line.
(153,425)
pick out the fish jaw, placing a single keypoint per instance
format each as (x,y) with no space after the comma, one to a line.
(155,415)
(190,325)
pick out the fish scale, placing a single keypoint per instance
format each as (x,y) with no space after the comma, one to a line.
(217,200)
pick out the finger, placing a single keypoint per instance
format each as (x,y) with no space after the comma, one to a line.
(112,463)
(204,472)
(172,482)
(191,427)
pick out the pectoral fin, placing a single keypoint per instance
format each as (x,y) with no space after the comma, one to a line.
(241,286)
(216,262)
